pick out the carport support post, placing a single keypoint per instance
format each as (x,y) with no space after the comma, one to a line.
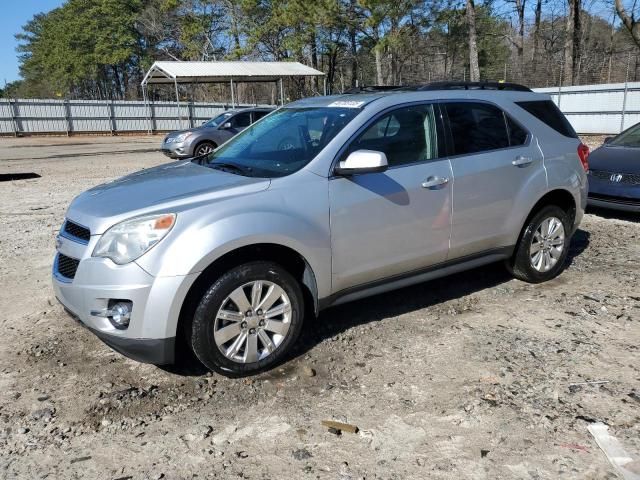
(281,92)
(233,97)
(147,109)
(624,97)
(175,82)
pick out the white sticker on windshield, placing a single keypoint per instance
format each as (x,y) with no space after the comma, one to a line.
(346,104)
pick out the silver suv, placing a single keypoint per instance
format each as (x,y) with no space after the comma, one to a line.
(324,201)
(202,140)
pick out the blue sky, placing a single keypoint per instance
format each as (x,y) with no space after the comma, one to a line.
(15,13)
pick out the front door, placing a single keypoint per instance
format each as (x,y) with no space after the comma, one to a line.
(391,223)
(238,122)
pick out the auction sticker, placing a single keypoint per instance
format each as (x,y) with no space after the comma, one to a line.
(346,104)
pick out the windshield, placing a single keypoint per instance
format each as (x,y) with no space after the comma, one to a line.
(283,142)
(630,138)
(214,122)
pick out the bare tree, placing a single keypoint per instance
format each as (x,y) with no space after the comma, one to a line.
(474,67)
(629,21)
(536,34)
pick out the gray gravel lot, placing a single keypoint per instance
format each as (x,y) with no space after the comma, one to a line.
(461,378)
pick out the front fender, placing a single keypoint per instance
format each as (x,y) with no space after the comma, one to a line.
(205,234)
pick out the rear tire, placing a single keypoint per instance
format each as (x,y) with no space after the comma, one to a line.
(543,246)
(248,320)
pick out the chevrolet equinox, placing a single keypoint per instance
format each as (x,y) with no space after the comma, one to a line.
(323,201)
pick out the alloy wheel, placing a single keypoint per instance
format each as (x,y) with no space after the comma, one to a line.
(252,321)
(547,244)
(204,150)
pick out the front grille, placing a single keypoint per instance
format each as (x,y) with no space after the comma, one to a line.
(76,231)
(67,266)
(618,200)
(627,178)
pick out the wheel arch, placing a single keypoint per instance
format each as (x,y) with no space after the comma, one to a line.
(560,197)
(287,257)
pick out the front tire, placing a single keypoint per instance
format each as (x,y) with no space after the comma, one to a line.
(248,320)
(204,148)
(542,250)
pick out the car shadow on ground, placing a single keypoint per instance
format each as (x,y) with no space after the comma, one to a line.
(341,318)
(614,214)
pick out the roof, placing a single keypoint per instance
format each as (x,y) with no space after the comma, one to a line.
(214,72)
(361,100)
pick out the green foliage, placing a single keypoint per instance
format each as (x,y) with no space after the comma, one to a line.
(82,43)
(102,48)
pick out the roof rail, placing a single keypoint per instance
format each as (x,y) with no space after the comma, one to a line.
(372,89)
(471,86)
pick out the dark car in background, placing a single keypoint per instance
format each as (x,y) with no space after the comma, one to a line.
(202,140)
(614,174)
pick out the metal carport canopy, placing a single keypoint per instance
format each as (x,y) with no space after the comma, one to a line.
(221,72)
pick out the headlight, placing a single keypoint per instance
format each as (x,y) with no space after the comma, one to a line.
(178,138)
(128,240)
(182,137)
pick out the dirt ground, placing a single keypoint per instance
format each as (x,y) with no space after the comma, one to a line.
(467,377)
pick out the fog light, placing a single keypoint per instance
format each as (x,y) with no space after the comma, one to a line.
(120,314)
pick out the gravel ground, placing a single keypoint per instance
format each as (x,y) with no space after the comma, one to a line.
(467,377)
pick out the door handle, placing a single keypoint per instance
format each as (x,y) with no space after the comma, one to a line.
(521,161)
(433,182)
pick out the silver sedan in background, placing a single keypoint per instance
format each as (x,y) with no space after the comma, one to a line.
(201,140)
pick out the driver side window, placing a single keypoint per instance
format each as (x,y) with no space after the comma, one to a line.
(406,135)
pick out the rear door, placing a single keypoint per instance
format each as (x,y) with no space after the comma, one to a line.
(258,114)
(494,160)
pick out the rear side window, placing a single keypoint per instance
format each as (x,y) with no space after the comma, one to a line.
(476,127)
(546,111)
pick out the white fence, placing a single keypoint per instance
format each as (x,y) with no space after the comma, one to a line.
(591,109)
(606,109)
(21,116)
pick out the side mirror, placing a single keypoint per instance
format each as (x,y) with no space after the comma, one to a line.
(608,139)
(225,126)
(362,161)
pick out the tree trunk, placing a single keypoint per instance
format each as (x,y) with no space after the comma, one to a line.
(379,76)
(353,43)
(536,35)
(474,68)
(632,25)
(313,46)
(354,56)
(567,73)
(520,8)
(577,41)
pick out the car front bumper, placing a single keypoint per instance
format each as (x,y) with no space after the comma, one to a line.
(619,196)
(156,302)
(177,150)
(615,203)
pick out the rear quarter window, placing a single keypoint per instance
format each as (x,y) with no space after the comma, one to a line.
(547,112)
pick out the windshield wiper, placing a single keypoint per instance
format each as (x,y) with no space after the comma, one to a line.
(232,168)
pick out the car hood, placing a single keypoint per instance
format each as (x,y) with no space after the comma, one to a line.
(171,187)
(178,132)
(615,159)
